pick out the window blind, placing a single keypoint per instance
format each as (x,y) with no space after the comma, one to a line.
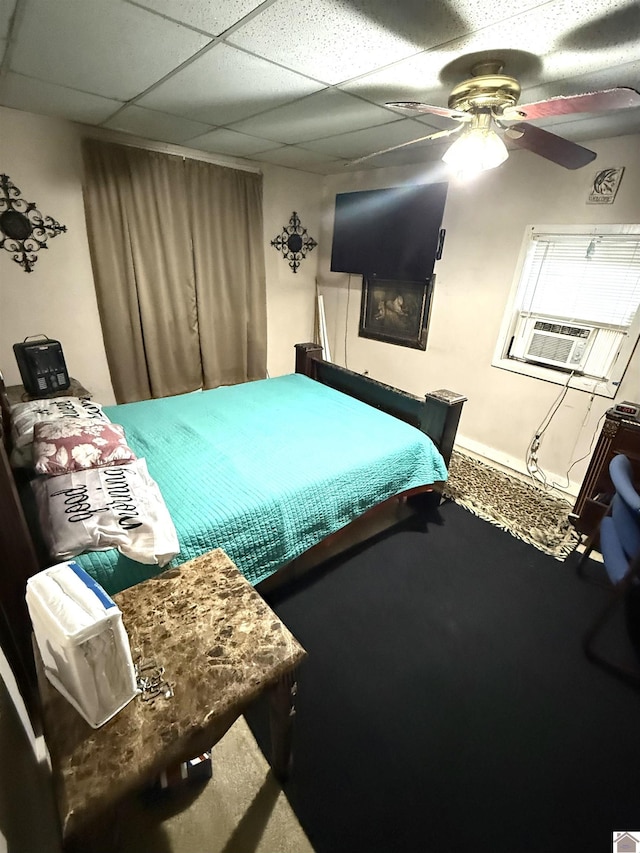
(583,277)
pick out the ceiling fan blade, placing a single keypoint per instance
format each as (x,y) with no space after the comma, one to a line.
(437,135)
(417,107)
(591,102)
(555,148)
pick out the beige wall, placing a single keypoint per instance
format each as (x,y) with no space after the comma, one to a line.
(485,222)
(290,296)
(42,157)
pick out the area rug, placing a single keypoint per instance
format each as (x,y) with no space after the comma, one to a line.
(446,703)
(524,509)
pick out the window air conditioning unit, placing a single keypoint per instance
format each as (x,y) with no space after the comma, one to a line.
(545,340)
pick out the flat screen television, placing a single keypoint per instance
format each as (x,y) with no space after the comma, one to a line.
(391,233)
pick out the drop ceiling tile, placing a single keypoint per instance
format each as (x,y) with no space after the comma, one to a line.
(361,142)
(225,85)
(298,158)
(413,79)
(429,158)
(323,114)
(595,127)
(7,8)
(212,18)
(223,141)
(335,40)
(571,37)
(119,49)
(527,44)
(154,125)
(37,96)
(329,41)
(608,27)
(106,47)
(624,75)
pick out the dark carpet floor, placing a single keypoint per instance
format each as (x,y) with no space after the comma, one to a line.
(446,703)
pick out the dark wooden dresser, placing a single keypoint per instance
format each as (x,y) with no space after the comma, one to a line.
(619,434)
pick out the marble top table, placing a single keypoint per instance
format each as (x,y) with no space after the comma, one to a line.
(220,645)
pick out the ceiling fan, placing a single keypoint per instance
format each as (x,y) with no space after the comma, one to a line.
(487,102)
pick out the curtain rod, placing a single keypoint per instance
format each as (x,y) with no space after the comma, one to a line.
(109,135)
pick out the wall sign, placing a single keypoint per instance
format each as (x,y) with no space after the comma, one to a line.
(605,185)
(23,229)
(294,242)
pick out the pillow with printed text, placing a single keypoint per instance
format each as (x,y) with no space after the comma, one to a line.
(100,508)
(24,416)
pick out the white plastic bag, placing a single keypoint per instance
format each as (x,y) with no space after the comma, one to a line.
(82,641)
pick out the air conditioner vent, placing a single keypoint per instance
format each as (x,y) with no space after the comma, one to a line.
(559,329)
(551,349)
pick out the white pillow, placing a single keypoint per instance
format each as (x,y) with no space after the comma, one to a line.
(25,415)
(99,508)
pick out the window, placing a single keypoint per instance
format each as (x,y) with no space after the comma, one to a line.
(574,308)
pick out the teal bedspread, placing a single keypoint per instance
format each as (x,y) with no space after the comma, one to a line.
(265,470)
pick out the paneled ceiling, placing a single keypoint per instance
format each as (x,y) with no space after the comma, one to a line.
(303,83)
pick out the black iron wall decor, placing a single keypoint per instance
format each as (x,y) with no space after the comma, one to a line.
(23,229)
(294,242)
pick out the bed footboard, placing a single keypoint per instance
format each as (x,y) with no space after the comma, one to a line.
(437,414)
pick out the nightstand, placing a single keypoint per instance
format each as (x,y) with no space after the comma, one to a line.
(220,647)
(17,394)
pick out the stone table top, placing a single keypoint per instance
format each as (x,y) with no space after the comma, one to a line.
(220,645)
(17,393)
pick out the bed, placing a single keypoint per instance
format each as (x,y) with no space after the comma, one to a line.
(271,471)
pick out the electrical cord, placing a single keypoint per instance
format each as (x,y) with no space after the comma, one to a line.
(596,431)
(531,458)
(588,453)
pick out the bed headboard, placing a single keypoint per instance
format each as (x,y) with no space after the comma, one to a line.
(18,562)
(5,418)
(437,414)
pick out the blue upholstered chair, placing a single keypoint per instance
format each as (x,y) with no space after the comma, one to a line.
(619,537)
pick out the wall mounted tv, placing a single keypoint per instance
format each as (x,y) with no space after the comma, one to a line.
(392,233)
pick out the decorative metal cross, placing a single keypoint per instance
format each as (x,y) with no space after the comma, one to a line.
(23,229)
(294,242)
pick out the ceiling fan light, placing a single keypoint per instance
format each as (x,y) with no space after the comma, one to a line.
(476,150)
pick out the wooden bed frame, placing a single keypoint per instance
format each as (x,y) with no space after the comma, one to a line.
(437,415)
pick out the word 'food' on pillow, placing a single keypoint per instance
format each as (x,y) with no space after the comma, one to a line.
(99,508)
(24,416)
(73,444)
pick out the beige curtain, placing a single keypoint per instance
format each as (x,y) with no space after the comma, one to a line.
(171,297)
(226,221)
